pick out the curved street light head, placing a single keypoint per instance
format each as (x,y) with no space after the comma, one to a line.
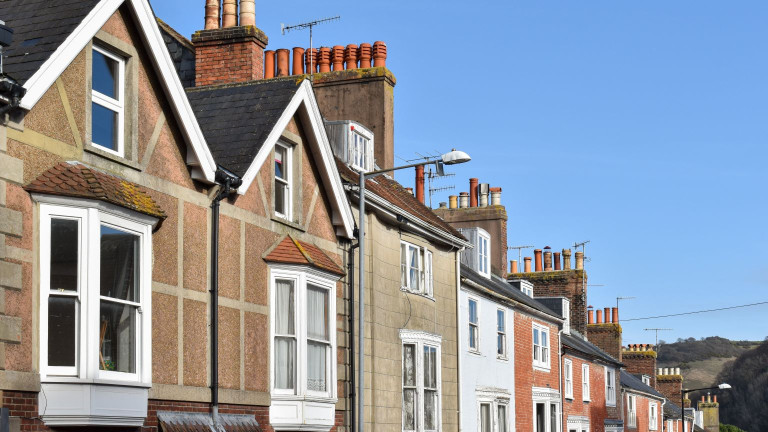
(724,386)
(455,157)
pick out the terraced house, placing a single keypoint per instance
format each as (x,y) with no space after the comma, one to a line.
(169,257)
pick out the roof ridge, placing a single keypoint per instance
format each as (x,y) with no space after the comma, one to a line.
(303,251)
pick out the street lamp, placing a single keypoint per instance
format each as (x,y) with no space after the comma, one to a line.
(722,386)
(453,157)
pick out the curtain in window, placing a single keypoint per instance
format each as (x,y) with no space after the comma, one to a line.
(430,388)
(485,417)
(317,333)
(415,276)
(502,418)
(409,387)
(285,335)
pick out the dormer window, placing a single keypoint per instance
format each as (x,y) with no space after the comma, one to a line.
(352,143)
(483,256)
(361,148)
(283,197)
(108,101)
(479,257)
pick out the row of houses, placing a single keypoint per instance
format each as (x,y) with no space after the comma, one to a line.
(178,250)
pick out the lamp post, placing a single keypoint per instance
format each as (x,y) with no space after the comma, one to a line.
(722,386)
(452,158)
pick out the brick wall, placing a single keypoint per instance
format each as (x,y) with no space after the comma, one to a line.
(571,284)
(640,362)
(229,55)
(607,337)
(670,386)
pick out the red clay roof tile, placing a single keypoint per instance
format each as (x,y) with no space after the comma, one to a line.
(292,251)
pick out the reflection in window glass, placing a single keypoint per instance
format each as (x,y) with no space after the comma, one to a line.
(285,335)
(430,388)
(104,127)
(104,75)
(64,254)
(62,328)
(118,337)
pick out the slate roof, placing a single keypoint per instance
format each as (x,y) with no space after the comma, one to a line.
(634,383)
(40,27)
(392,191)
(671,410)
(182,53)
(499,286)
(237,118)
(77,180)
(577,342)
(292,251)
(200,422)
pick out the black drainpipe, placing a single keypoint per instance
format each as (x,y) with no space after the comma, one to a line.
(351,274)
(228,183)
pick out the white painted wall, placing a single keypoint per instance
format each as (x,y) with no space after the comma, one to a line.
(483,370)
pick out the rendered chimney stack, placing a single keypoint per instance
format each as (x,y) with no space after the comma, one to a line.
(247,12)
(566,259)
(337,58)
(350,57)
(616,318)
(453,202)
(229,15)
(599,316)
(420,183)
(212,14)
(556,257)
(590,315)
(537,255)
(527,265)
(379,54)
(283,60)
(365,53)
(463,199)
(473,192)
(579,260)
(513,266)
(495,196)
(607,315)
(325,59)
(298,61)
(547,258)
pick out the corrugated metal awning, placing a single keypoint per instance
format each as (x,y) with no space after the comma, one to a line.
(174,421)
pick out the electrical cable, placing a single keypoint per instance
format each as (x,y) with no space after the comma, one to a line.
(695,312)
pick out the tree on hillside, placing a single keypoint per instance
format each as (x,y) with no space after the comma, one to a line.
(689,350)
(744,405)
(730,428)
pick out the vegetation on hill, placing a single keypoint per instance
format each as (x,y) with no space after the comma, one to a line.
(730,428)
(744,405)
(688,350)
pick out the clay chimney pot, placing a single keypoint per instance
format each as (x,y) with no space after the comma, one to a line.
(379,54)
(366,52)
(537,254)
(453,201)
(463,199)
(599,314)
(420,183)
(590,316)
(473,192)
(547,260)
(566,259)
(495,196)
(337,58)
(324,59)
(616,319)
(283,62)
(527,264)
(579,260)
(229,18)
(513,266)
(269,64)
(350,56)
(298,61)
(607,315)
(212,14)
(310,60)
(556,257)
(247,12)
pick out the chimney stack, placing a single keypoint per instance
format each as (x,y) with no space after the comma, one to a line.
(473,192)
(513,266)
(247,12)
(212,14)
(566,259)
(579,260)
(537,254)
(420,183)
(229,18)
(547,258)
(527,267)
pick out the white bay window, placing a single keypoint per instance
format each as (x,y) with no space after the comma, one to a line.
(303,347)
(421,381)
(95,309)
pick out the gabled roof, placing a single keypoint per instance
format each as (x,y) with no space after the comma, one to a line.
(77,180)
(577,342)
(502,288)
(403,201)
(292,251)
(631,382)
(243,122)
(49,34)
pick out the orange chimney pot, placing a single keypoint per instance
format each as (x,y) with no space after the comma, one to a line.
(269,64)
(473,192)
(337,58)
(283,62)
(379,54)
(365,53)
(324,59)
(212,14)
(350,57)
(537,254)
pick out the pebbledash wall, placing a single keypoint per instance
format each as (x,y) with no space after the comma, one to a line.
(56,130)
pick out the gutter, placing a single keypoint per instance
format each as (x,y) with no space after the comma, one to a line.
(229,183)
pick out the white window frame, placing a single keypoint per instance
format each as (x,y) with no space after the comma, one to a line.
(483,253)
(502,334)
(646,380)
(302,277)
(91,216)
(545,351)
(631,411)
(425,269)
(114,105)
(495,399)
(585,387)
(421,339)
(610,386)
(549,397)
(355,155)
(287,181)
(568,378)
(653,416)
(474,327)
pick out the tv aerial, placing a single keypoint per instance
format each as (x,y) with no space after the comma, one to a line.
(310,25)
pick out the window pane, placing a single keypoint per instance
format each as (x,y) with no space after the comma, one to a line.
(64,254)
(502,418)
(500,343)
(284,308)
(540,417)
(430,367)
(118,337)
(409,365)
(535,336)
(62,330)
(430,410)
(316,367)
(553,418)
(285,363)
(317,313)
(281,163)
(281,195)
(500,321)
(105,72)
(473,312)
(409,409)
(119,264)
(415,277)
(403,265)
(103,126)
(544,339)
(472,336)
(536,352)
(485,417)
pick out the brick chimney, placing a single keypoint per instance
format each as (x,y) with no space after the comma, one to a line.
(669,382)
(606,335)
(229,50)
(640,359)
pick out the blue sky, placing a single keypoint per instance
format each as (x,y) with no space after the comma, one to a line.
(640,126)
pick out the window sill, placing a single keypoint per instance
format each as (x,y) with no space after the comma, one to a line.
(288,223)
(542,368)
(103,382)
(475,352)
(502,358)
(122,160)
(416,293)
(570,398)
